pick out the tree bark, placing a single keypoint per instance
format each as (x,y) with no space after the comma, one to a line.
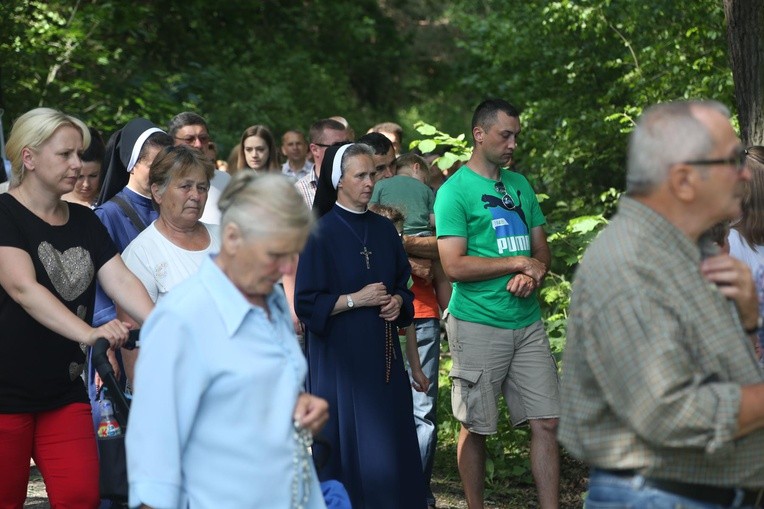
(745,41)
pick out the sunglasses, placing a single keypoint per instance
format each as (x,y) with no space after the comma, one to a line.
(506,199)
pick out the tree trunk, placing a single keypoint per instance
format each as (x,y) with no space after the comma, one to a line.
(745,40)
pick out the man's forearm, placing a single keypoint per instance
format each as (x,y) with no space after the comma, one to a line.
(540,248)
(421,247)
(544,255)
(476,268)
(461,267)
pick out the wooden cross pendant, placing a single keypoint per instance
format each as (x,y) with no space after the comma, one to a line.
(365,253)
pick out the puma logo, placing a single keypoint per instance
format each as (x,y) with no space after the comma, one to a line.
(492,201)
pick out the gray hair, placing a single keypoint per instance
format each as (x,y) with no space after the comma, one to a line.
(667,134)
(33,129)
(183,119)
(262,205)
(355,149)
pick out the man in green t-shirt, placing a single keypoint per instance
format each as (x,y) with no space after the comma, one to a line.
(493,246)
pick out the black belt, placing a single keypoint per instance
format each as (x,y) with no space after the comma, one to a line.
(701,492)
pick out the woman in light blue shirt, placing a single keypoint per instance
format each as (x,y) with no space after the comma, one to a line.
(218,418)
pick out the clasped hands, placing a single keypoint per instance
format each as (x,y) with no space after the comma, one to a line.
(375,294)
(525,282)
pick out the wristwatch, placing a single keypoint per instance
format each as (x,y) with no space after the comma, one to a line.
(350,301)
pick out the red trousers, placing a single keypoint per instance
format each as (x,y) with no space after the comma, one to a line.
(62,444)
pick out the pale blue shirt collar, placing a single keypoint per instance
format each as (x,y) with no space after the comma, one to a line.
(228,299)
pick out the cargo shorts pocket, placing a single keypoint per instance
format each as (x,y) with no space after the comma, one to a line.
(467,396)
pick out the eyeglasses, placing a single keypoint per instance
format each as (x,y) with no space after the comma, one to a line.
(324,145)
(737,160)
(204,139)
(506,199)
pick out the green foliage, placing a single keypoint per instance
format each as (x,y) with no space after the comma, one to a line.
(236,63)
(583,71)
(567,241)
(455,148)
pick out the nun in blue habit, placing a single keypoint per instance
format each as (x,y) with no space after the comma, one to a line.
(125,207)
(351,293)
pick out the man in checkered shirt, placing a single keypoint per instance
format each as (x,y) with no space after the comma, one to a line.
(661,392)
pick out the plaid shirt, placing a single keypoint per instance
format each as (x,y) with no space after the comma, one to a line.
(655,359)
(306,186)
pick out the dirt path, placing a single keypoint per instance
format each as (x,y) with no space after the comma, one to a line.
(37,498)
(446,487)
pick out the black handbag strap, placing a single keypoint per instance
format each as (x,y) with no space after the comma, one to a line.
(130,212)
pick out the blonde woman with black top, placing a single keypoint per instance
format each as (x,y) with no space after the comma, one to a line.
(52,252)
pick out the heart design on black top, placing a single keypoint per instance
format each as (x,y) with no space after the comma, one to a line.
(71,272)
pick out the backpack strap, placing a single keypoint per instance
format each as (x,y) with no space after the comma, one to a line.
(130,212)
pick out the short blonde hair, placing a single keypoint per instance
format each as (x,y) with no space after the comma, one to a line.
(263,205)
(32,130)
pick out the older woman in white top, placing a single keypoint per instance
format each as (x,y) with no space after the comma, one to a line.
(172,247)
